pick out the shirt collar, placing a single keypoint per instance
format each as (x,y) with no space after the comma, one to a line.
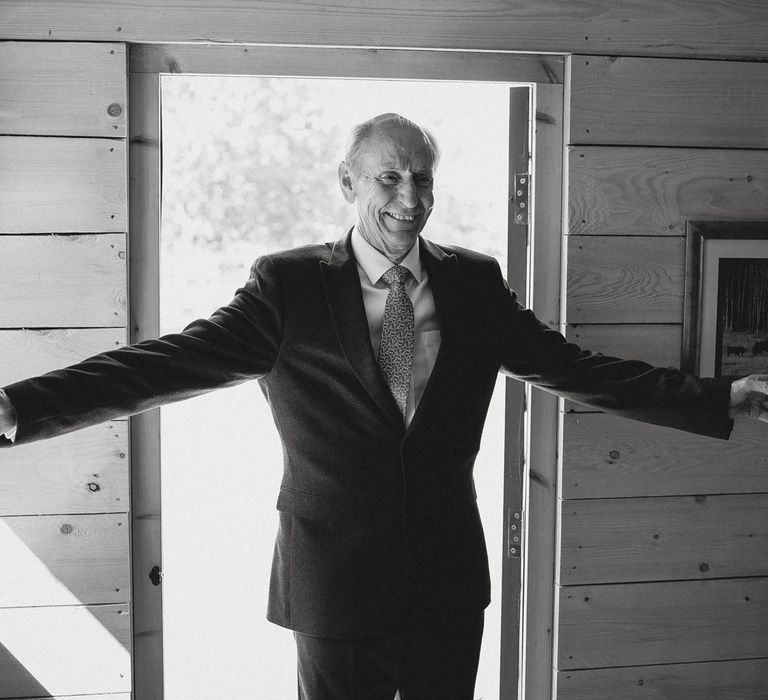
(375,264)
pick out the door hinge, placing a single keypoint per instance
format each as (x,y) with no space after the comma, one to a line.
(521,211)
(514,534)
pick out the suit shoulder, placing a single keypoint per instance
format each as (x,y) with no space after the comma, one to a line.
(293,258)
(469,259)
(307,253)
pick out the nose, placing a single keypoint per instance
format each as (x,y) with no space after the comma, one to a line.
(407,195)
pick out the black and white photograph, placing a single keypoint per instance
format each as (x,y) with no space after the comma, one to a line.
(408,350)
(742,317)
(726,324)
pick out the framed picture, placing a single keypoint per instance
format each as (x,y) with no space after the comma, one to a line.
(725,325)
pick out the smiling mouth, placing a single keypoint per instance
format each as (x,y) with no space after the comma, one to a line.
(401,217)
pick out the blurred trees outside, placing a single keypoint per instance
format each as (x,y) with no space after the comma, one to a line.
(250,164)
(249,167)
(263,171)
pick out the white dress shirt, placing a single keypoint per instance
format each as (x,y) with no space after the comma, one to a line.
(371,265)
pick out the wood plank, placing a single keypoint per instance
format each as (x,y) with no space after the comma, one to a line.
(542,459)
(101,696)
(652,191)
(668,102)
(83,472)
(722,680)
(617,279)
(64,560)
(64,651)
(654,27)
(654,623)
(606,456)
(146,502)
(75,281)
(658,344)
(64,89)
(323,61)
(27,353)
(62,185)
(521,109)
(663,539)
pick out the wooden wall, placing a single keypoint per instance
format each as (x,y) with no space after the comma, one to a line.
(661,587)
(714,28)
(64,504)
(663,560)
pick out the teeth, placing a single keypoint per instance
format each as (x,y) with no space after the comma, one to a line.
(401,217)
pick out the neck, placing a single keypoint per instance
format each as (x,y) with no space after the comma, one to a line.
(394,256)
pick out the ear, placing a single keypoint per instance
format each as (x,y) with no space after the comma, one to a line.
(345,182)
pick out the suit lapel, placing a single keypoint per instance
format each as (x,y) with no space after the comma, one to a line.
(345,303)
(442,270)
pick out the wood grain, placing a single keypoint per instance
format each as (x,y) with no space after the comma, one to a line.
(83,472)
(64,560)
(654,623)
(655,343)
(74,281)
(722,680)
(663,539)
(62,185)
(317,61)
(542,408)
(26,353)
(101,696)
(63,89)
(146,502)
(62,651)
(606,456)
(668,102)
(616,279)
(655,27)
(652,191)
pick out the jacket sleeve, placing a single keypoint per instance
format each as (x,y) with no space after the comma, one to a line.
(534,353)
(238,342)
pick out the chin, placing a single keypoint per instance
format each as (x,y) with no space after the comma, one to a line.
(404,241)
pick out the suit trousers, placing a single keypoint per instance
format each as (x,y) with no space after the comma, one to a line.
(438,664)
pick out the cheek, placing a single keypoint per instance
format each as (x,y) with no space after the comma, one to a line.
(375,203)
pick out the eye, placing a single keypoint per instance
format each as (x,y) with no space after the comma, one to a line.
(424,181)
(388,179)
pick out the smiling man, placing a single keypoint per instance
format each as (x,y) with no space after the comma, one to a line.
(378,355)
(388,173)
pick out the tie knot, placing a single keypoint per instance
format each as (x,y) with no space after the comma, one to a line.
(396,276)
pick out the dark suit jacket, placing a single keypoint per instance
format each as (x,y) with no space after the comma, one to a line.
(378,523)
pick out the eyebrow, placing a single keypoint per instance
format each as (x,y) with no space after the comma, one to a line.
(390,169)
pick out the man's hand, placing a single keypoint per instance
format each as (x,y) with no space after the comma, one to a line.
(749,398)
(7,414)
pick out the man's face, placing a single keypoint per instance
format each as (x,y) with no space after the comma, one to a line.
(392,187)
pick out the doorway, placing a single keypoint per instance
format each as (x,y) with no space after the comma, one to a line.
(526,611)
(249,167)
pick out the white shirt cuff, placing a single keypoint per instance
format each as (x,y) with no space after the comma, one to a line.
(6,405)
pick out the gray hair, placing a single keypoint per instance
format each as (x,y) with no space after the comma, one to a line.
(362,132)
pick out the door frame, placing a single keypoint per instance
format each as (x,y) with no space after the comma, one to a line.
(534,252)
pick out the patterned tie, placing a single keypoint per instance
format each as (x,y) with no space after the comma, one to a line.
(396,349)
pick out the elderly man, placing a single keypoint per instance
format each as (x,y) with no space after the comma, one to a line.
(378,355)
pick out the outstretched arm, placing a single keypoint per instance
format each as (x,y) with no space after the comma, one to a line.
(238,342)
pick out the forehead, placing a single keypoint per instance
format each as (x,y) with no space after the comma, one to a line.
(396,148)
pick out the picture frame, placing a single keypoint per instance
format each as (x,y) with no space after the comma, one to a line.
(725,320)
